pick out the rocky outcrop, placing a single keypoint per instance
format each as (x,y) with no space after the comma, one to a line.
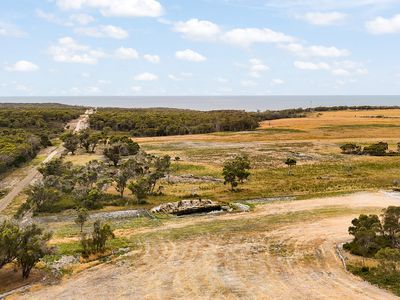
(186,207)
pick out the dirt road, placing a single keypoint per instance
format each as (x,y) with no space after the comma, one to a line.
(292,261)
(32,174)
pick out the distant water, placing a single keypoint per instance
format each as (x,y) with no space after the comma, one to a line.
(249,103)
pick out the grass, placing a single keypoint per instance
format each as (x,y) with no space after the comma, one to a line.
(217,227)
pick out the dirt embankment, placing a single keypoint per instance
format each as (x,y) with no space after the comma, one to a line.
(292,261)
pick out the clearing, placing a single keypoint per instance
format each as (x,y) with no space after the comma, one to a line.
(282,250)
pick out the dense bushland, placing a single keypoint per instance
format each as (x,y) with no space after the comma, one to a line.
(162,122)
(24,129)
(168,121)
(379,238)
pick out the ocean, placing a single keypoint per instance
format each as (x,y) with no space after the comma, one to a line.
(248,103)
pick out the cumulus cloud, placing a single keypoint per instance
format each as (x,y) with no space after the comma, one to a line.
(22,66)
(10,30)
(190,55)
(154,59)
(315,51)
(68,50)
(304,65)
(120,8)
(247,36)
(382,25)
(196,29)
(146,77)
(126,53)
(323,18)
(101,31)
(340,68)
(82,19)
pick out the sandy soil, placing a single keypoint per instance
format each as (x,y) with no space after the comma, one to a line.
(296,261)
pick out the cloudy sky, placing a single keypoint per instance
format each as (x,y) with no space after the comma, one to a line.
(199,47)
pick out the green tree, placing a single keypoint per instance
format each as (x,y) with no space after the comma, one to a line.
(82,216)
(140,188)
(162,167)
(9,242)
(236,170)
(32,247)
(97,242)
(113,153)
(391,224)
(71,142)
(121,180)
(53,167)
(290,162)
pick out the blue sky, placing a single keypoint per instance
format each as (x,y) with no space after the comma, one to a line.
(201,47)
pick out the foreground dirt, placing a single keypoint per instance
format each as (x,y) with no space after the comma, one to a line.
(295,261)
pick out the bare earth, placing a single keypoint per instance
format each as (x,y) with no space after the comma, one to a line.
(296,261)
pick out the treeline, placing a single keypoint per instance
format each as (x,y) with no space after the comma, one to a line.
(25,128)
(169,121)
(163,122)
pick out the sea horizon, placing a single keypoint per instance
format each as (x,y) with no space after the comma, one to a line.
(248,103)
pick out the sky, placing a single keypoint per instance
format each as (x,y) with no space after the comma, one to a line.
(199,47)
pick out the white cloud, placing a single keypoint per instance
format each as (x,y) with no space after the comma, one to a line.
(324,18)
(126,53)
(277,81)
(190,55)
(382,25)
(108,31)
(340,68)
(303,65)
(257,67)
(146,77)
(154,59)
(10,30)
(82,19)
(68,50)
(121,8)
(173,77)
(196,29)
(315,51)
(181,76)
(247,36)
(22,66)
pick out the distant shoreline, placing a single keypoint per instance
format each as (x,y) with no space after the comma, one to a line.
(248,103)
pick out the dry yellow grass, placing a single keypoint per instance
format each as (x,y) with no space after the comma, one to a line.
(336,126)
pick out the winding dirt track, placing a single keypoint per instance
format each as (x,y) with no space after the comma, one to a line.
(296,261)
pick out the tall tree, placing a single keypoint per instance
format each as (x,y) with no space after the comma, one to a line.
(236,170)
